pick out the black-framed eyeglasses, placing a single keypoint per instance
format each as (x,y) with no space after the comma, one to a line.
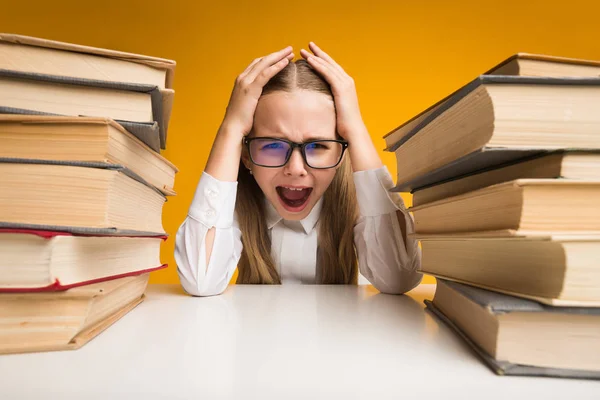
(276,152)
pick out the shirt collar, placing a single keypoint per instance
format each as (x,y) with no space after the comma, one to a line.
(308,223)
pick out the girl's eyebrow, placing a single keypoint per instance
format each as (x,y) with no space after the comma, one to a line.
(317,137)
(310,138)
(272,135)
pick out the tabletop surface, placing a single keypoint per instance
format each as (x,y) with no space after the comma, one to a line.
(274,342)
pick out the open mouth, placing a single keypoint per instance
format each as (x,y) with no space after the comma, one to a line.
(293,199)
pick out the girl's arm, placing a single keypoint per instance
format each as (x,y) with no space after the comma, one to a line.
(387,258)
(210,223)
(208,243)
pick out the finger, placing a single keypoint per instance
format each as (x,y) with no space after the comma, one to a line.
(305,53)
(256,60)
(249,67)
(268,61)
(339,74)
(313,60)
(332,76)
(317,50)
(270,72)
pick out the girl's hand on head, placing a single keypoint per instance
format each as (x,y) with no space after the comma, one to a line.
(349,120)
(248,88)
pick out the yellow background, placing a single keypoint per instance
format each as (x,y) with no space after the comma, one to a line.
(403,55)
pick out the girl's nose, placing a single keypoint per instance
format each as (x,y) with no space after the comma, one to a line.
(295,166)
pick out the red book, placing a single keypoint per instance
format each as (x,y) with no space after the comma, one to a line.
(50,260)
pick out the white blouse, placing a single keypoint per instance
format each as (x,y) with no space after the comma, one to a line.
(384,258)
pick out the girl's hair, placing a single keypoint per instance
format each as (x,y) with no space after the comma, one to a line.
(336,255)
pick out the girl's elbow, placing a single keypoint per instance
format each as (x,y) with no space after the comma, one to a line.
(195,290)
(403,283)
(199,286)
(206,292)
(390,288)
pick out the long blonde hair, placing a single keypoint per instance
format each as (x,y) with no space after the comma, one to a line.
(336,255)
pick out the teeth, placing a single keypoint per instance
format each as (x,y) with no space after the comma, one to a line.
(289,188)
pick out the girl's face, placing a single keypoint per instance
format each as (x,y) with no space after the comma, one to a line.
(299,116)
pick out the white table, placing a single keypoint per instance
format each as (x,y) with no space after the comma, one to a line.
(274,342)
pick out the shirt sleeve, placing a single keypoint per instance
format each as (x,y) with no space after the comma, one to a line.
(213,206)
(386,257)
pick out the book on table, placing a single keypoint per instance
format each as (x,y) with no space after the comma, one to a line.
(515,336)
(84,185)
(66,320)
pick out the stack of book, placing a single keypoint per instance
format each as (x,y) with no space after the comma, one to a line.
(83,187)
(505,176)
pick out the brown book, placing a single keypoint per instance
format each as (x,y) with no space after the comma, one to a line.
(522,205)
(74,196)
(500,113)
(42,56)
(528,64)
(39,76)
(83,139)
(35,322)
(75,100)
(521,337)
(567,165)
(44,260)
(555,269)
(521,64)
